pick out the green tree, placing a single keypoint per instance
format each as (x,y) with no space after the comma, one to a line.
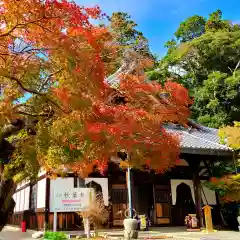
(126,35)
(191,28)
(217,100)
(216,23)
(205,56)
(225,182)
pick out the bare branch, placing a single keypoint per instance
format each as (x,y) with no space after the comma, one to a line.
(20,25)
(33,91)
(230,69)
(33,114)
(236,68)
(45,81)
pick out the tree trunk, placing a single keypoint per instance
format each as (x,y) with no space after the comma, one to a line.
(7,186)
(7,204)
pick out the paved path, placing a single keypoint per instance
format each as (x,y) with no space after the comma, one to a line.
(174,232)
(181,234)
(14,234)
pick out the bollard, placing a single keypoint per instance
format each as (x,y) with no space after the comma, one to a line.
(24,226)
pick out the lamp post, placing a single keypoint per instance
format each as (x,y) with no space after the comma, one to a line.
(130,224)
(123,155)
(129,192)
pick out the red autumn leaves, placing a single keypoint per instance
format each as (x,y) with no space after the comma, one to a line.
(68,43)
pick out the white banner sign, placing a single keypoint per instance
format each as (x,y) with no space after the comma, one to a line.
(70,200)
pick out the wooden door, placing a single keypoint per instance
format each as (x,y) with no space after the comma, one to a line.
(119,203)
(162,205)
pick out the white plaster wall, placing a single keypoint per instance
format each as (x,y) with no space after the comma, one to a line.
(22,184)
(66,182)
(27,196)
(41,193)
(17,201)
(21,200)
(104,184)
(210,195)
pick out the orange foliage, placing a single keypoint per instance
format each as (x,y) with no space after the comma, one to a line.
(227,186)
(69,49)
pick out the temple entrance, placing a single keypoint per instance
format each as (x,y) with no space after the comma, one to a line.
(184,204)
(145,199)
(119,203)
(162,205)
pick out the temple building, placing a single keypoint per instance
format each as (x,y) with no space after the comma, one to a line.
(166,198)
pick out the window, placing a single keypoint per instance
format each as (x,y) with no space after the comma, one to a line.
(33,197)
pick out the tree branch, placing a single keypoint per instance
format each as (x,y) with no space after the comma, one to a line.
(45,81)
(236,68)
(33,91)
(33,114)
(20,25)
(15,126)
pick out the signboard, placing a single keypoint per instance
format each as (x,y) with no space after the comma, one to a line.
(70,199)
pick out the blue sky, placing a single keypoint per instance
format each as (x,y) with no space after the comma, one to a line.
(158,19)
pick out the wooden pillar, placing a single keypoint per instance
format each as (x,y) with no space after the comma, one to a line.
(110,213)
(194,163)
(47,202)
(75,181)
(198,195)
(133,190)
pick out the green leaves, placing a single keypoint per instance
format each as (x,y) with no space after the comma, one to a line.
(55,235)
(191,28)
(208,52)
(217,100)
(126,35)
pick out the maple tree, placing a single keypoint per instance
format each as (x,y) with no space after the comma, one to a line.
(56,109)
(212,76)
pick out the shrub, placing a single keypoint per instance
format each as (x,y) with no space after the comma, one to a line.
(97,212)
(55,236)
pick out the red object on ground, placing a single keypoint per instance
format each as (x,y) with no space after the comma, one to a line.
(24,226)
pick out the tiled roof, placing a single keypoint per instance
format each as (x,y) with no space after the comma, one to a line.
(201,139)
